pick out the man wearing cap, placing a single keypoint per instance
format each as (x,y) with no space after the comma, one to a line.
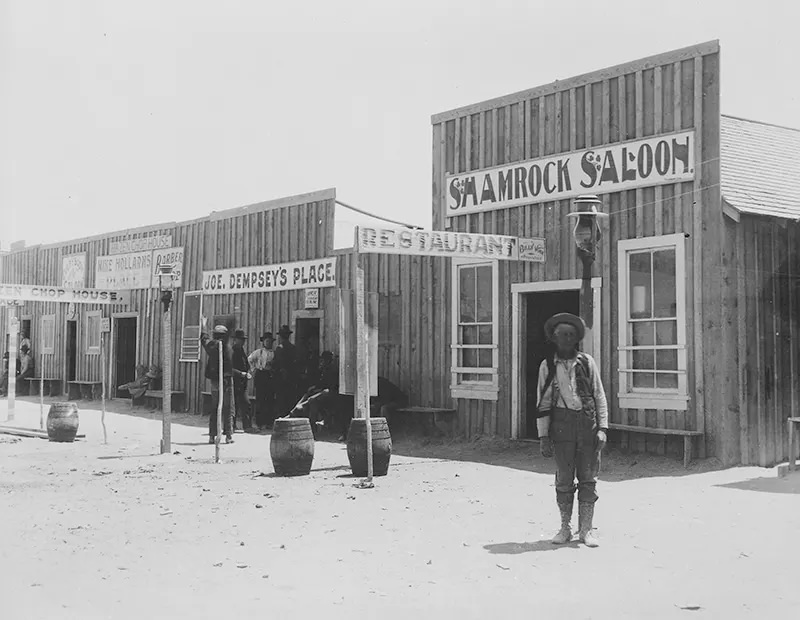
(241,374)
(572,423)
(261,362)
(212,346)
(26,369)
(286,373)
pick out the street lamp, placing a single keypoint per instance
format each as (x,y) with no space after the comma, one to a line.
(587,237)
(166,282)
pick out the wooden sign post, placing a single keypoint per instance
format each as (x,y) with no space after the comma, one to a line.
(166,374)
(103,382)
(362,365)
(41,391)
(220,400)
(13,326)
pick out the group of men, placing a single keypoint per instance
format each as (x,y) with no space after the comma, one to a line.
(275,373)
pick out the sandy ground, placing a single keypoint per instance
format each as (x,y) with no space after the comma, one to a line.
(456,530)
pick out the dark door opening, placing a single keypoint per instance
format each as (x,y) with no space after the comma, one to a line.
(72,350)
(306,333)
(124,354)
(540,307)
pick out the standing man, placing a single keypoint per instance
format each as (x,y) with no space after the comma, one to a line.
(26,369)
(212,346)
(241,374)
(572,423)
(261,362)
(286,373)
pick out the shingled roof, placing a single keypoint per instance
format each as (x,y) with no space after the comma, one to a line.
(760,167)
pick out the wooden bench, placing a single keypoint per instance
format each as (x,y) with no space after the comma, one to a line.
(52,386)
(206,403)
(154,399)
(434,418)
(792,449)
(688,436)
(88,390)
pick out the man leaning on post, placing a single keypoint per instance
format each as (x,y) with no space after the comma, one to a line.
(572,423)
(211,346)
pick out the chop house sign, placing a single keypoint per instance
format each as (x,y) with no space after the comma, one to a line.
(627,165)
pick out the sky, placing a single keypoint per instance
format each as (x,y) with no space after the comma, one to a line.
(123,113)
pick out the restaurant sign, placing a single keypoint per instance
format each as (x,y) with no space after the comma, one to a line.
(598,169)
(320,272)
(137,270)
(380,240)
(30,292)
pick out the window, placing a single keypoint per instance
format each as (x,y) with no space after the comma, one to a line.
(48,331)
(652,323)
(93,326)
(190,327)
(475,330)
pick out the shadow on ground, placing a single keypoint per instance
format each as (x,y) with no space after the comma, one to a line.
(515,548)
(787,485)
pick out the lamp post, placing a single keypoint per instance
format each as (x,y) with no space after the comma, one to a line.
(166,283)
(587,237)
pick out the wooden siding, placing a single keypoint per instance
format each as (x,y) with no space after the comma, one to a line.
(671,92)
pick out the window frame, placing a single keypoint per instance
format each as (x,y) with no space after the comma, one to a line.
(652,398)
(459,388)
(181,357)
(87,334)
(44,349)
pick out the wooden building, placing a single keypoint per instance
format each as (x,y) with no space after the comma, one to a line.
(694,288)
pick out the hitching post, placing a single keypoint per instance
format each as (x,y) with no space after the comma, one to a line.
(13,325)
(362,362)
(220,400)
(103,384)
(165,280)
(41,391)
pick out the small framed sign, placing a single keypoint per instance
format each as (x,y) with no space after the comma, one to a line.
(105,324)
(312,298)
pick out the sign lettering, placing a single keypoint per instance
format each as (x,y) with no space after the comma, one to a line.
(28,292)
(598,169)
(270,278)
(73,271)
(126,246)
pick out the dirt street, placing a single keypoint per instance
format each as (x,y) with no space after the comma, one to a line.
(455,530)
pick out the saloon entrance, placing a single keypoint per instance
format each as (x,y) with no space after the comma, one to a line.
(124,353)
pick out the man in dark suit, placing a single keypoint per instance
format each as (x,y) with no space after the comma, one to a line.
(286,371)
(241,374)
(212,346)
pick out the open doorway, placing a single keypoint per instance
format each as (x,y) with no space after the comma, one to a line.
(125,354)
(540,307)
(307,340)
(72,350)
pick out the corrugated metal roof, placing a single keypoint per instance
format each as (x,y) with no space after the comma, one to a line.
(760,166)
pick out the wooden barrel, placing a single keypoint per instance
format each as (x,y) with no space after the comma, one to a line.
(357,446)
(291,446)
(62,422)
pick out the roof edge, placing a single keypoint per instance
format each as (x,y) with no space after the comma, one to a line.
(684,53)
(757,122)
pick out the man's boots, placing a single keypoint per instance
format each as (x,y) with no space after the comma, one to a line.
(585,516)
(565,533)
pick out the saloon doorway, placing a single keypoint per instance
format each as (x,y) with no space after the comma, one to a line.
(532,304)
(308,340)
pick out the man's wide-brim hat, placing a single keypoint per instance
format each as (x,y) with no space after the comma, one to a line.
(239,333)
(285,331)
(564,317)
(220,329)
(267,336)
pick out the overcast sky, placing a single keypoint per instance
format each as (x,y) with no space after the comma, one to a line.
(120,113)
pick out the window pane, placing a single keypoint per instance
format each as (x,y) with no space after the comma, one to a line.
(466,294)
(667,360)
(667,332)
(643,360)
(643,380)
(668,382)
(485,334)
(469,334)
(469,358)
(664,283)
(640,280)
(485,358)
(484,275)
(643,334)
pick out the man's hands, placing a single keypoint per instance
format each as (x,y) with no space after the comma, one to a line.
(601,439)
(546,446)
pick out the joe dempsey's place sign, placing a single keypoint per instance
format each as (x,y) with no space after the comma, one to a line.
(317,273)
(372,240)
(627,165)
(30,292)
